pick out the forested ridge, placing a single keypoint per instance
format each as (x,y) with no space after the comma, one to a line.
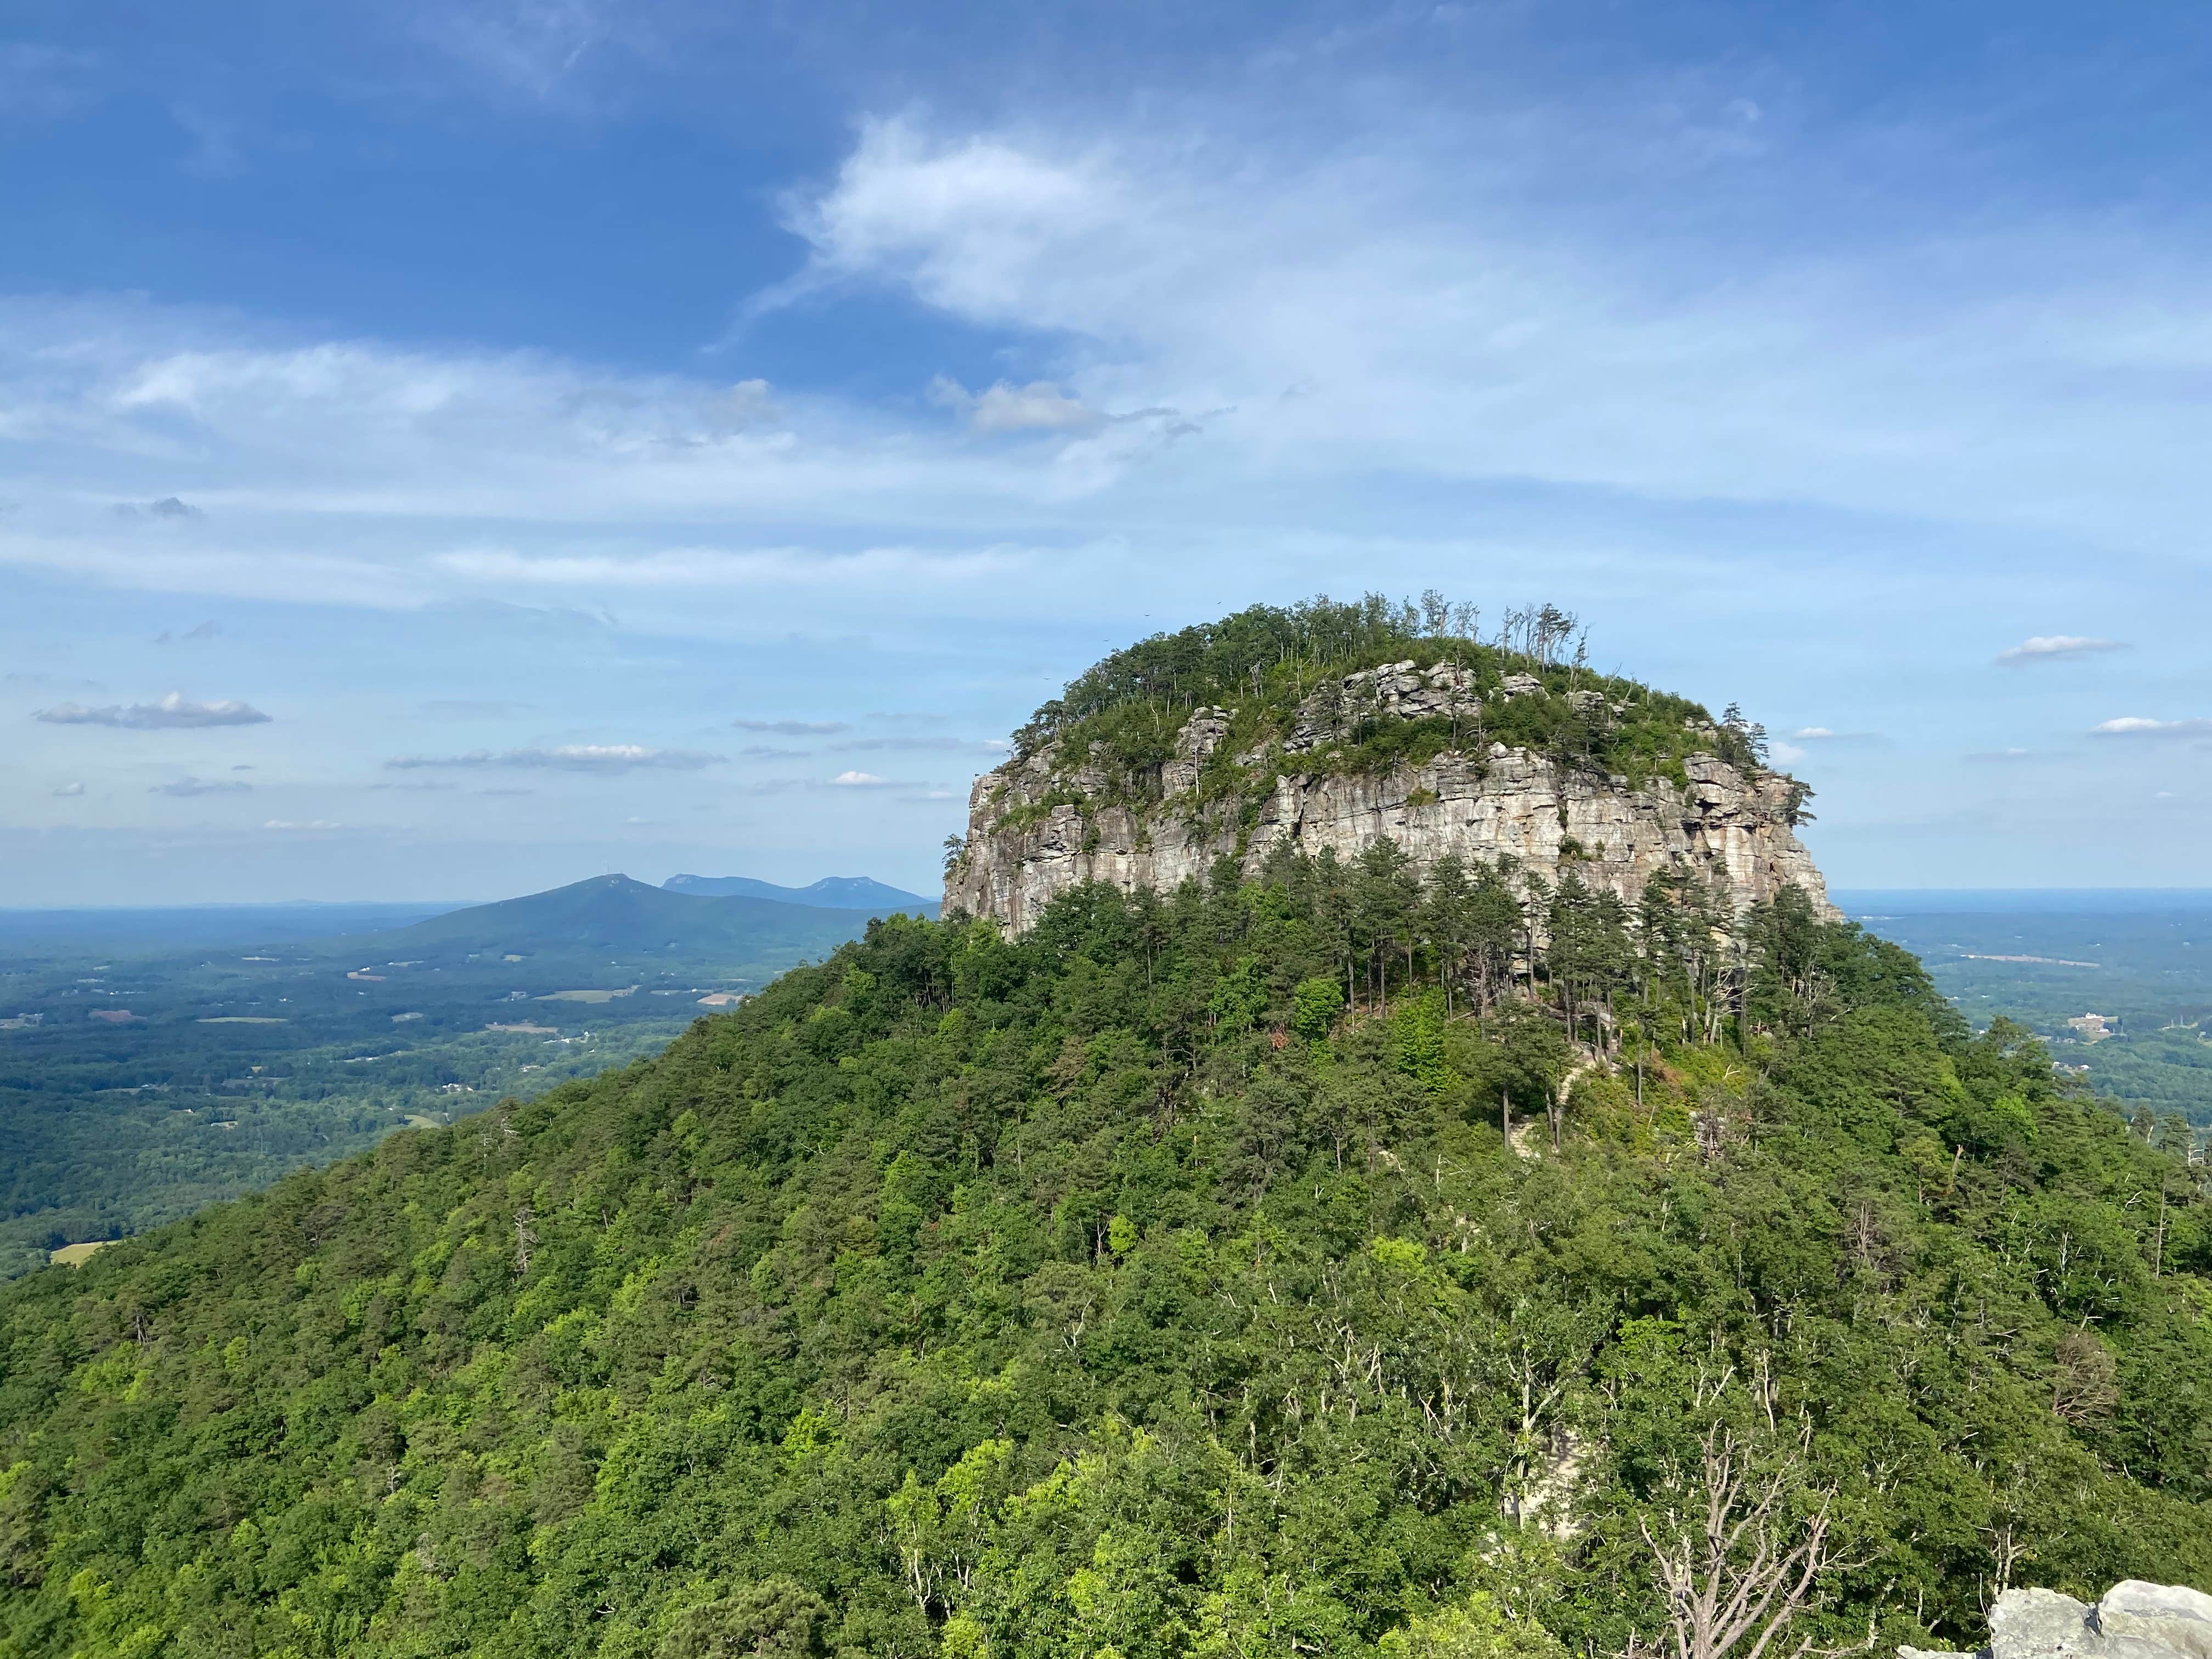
(1346,1261)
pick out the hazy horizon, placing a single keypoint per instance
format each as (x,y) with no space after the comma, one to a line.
(1926,899)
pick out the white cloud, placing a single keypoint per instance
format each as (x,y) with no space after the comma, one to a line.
(42,83)
(69,789)
(1451,319)
(1445,330)
(1442,323)
(914,744)
(301,823)
(538,48)
(168,507)
(792,728)
(611,757)
(173,712)
(1824,735)
(189,786)
(858,780)
(1040,406)
(702,567)
(2136,726)
(963,222)
(2055,647)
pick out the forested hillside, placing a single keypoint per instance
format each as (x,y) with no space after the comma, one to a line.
(1342,1262)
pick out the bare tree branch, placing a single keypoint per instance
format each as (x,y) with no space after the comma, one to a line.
(1735,1577)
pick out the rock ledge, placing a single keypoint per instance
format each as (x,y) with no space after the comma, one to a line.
(2134,1620)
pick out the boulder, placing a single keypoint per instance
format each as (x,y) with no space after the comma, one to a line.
(2133,1620)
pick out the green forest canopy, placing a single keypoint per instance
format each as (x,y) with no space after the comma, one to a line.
(1260,664)
(1236,1271)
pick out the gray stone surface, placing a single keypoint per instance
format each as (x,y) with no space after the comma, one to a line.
(2175,1618)
(2133,1620)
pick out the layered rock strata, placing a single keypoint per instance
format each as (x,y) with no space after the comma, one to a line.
(1027,842)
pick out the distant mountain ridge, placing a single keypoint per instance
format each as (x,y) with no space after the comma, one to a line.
(832,892)
(622,913)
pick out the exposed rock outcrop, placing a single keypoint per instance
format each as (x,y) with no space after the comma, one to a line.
(2134,1620)
(1043,823)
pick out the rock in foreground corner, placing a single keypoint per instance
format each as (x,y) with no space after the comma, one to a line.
(2134,1620)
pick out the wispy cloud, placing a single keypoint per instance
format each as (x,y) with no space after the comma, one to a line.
(612,757)
(206,630)
(859,781)
(468,709)
(168,507)
(67,790)
(2055,647)
(214,153)
(1040,406)
(792,728)
(1444,328)
(1824,737)
(709,566)
(175,712)
(42,84)
(2138,726)
(943,745)
(535,47)
(301,823)
(188,786)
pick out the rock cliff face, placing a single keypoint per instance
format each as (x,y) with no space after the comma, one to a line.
(2134,1620)
(1039,825)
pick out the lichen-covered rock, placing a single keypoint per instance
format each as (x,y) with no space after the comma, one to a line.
(1028,842)
(2133,1620)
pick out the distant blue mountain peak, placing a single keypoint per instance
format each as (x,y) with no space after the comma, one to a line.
(830,893)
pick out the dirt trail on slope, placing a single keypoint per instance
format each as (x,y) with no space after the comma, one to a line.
(1527,1137)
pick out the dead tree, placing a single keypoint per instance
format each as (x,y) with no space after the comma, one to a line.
(1735,1565)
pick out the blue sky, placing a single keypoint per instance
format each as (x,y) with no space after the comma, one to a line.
(454,449)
